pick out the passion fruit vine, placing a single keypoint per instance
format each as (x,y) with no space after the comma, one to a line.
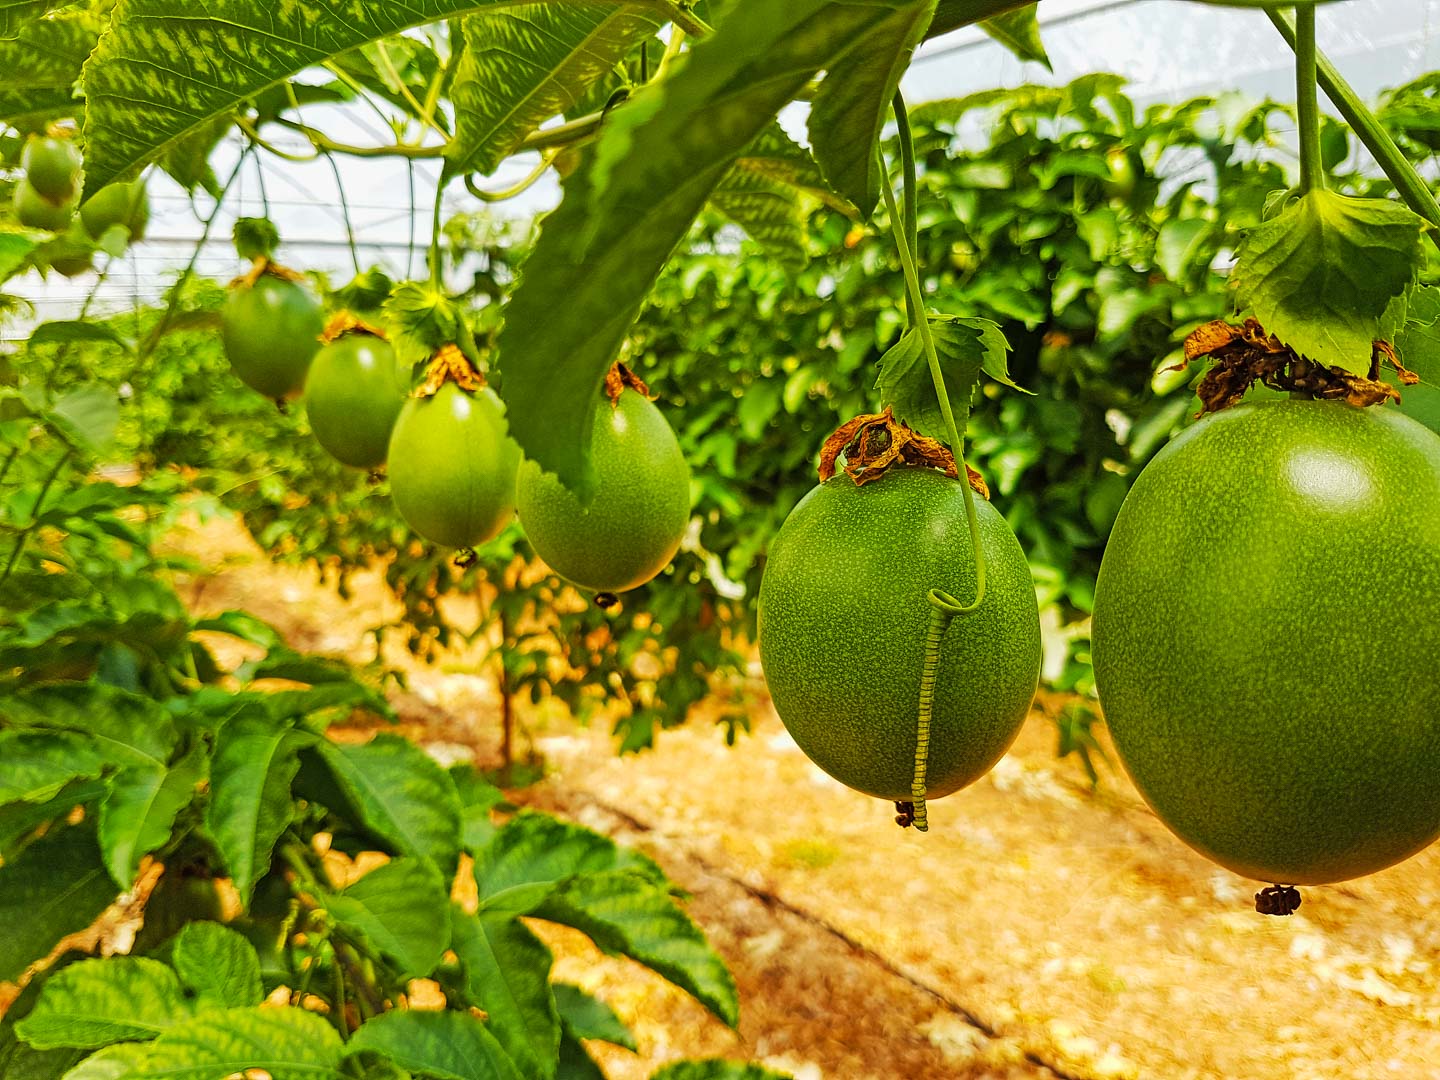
(847,622)
(271,329)
(452,463)
(1267,618)
(354,392)
(633,525)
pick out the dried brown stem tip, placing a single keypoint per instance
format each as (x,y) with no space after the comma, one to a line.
(262,266)
(619,379)
(873,443)
(449,364)
(344,322)
(1244,355)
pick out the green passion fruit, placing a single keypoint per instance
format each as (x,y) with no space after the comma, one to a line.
(353,395)
(633,526)
(117,204)
(1267,619)
(35,211)
(452,466)
(271,331)
(52,166)
(843,616)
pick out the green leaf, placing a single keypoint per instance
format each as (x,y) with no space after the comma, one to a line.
(421,319)
(535,852)
(953,14)
(128,729)
(1179,242)
(1419,347)
(853,103)
(965,348)
(717,1069)
(188,161)
(41,64)
(624,913)
(477,798)
(75,332)
(587,1017)
(55,887)
(119,1062)
(507,971)
(1320,275)
(1019,31)
(772,214)
(95,1002)
(19,820)
(37,765)
(15,13)
(254,763)
(136,817)
(400,910)
(523,65)
(400,795)
(664,151)
(19,1061)
(575,1062)
(288,1044)
(15,248)
(255,238)
(218,965)
(87,418)
(443,1045)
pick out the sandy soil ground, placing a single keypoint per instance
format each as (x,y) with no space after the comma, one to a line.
(1038,929)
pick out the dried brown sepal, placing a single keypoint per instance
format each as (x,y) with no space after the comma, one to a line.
(449,364)
(345,322)
(1385,353)
(619,379)
(1278,900)
(263,266)
(1244,355)
(876,442)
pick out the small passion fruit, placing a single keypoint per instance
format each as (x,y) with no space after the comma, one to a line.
(52,166)
(271,330)
(117,204)
(35,211)
(632,527)
(452,466)
(353,395)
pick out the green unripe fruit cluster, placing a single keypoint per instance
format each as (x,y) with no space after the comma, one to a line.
(1266,627)
(452,466)
(52,167)
(271,331)
(632,527)
(843,616)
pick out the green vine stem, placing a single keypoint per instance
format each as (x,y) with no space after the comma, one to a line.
(910,184)
(1307,103)
(946,607)
(436,278)
(345,213)
(24,537)
(1408,182)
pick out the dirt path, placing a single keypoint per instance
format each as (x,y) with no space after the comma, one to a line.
(1072,927)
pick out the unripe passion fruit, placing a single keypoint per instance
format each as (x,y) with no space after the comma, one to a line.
(353,395)
(35,211)
(452,466)
(632,528)
(1266,625)
(271,332)
(52,166)
(117,204)
(844,612)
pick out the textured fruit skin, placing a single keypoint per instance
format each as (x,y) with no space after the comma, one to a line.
(52,166)
(35,211)
(1267,622)
(452,466)
(117,204)
(271,333)
(632,528)
(843,617)
(353,395)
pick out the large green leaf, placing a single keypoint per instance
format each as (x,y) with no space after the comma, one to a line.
(19,1061)
(851,107)
(653,167)
(137,815)
(1320,275)
(41,64)
(1019,31)
(36,765)
(218,965)
(288,1044)
(965,348)
(624,913)
(118,1062)
(586,1017)
(953,14)
(523,65)
(56,886)
(507,974)
(19,820)
(575,1062)
(254,763)
(127,729)
(397,793)
(717,1069)
(1419,347)
(95,1002)
(400,910)
(443,1045)
(535,852)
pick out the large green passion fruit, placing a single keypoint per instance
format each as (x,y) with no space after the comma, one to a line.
(354,393)
(35,211)
(52,166)
(633,526)
(1267,622)
(271,328)
(843,617)
(127,205)
(452,466)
